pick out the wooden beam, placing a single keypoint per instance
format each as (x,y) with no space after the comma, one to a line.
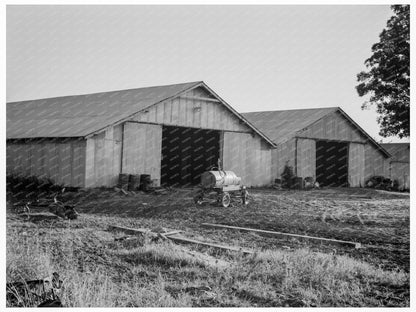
(130,230)
(329,140)
(172,232)
(322,239)
(200,99)
(399,161)
(181,239)
(181,126)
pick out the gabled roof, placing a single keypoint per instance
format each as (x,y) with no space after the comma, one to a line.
(82,115)
(283,125)
(398,151)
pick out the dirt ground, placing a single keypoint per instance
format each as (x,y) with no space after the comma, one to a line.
(376,219)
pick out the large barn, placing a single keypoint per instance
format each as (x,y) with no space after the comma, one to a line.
(324,143)
(399,163)
(173,133)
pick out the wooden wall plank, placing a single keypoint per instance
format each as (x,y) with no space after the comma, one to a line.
(44,159)
(356,165)
(64,163)
(117,150)
(335,127)
(159,113)
(182,112)
(175,111)
(400,171)
(142,148)
(167,116)
(89,163)
(285,154)
(99,159)
(78,163)
(306,158)
(375,163)
(108,155)
(244,155)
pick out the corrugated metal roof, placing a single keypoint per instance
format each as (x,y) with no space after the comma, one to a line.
(80,115)
(282,125)
(398,151)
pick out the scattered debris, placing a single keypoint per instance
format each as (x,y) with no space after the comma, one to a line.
(322,239)
(62,210)
(22,209)
(42,292)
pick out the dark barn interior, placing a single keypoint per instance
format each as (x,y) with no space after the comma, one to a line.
(332,163)
(187,153)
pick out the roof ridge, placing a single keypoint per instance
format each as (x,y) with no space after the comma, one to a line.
(295,109)
(104,92)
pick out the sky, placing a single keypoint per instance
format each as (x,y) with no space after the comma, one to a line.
(256,58)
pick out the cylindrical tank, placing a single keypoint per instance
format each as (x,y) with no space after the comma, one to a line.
(219,178)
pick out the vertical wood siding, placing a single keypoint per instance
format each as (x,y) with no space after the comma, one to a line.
(248,157)
(400,171)
(375,162)
(356,165)
(142,149)
(190,111)
(61,160)
(399,167)
(103,158)
(142,142)
(306,158)
(333,127)
(282,155)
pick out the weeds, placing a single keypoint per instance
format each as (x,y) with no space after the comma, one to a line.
(98,271)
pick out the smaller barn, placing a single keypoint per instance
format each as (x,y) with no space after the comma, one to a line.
(324,144)
(399,163)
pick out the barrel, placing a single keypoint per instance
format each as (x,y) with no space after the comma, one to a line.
(123,181)
(219,179)
(145,182)
(134,183)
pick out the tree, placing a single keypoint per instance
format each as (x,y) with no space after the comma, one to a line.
(387,80)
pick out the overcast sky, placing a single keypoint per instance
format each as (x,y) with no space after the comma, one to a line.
(255,57)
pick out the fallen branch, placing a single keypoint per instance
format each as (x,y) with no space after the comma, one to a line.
(327,240)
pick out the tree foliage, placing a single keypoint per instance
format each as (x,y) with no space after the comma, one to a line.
(387,80)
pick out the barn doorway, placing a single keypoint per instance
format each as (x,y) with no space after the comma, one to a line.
(332,163)
(187,153)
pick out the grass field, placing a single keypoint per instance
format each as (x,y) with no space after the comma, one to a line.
(99,271)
